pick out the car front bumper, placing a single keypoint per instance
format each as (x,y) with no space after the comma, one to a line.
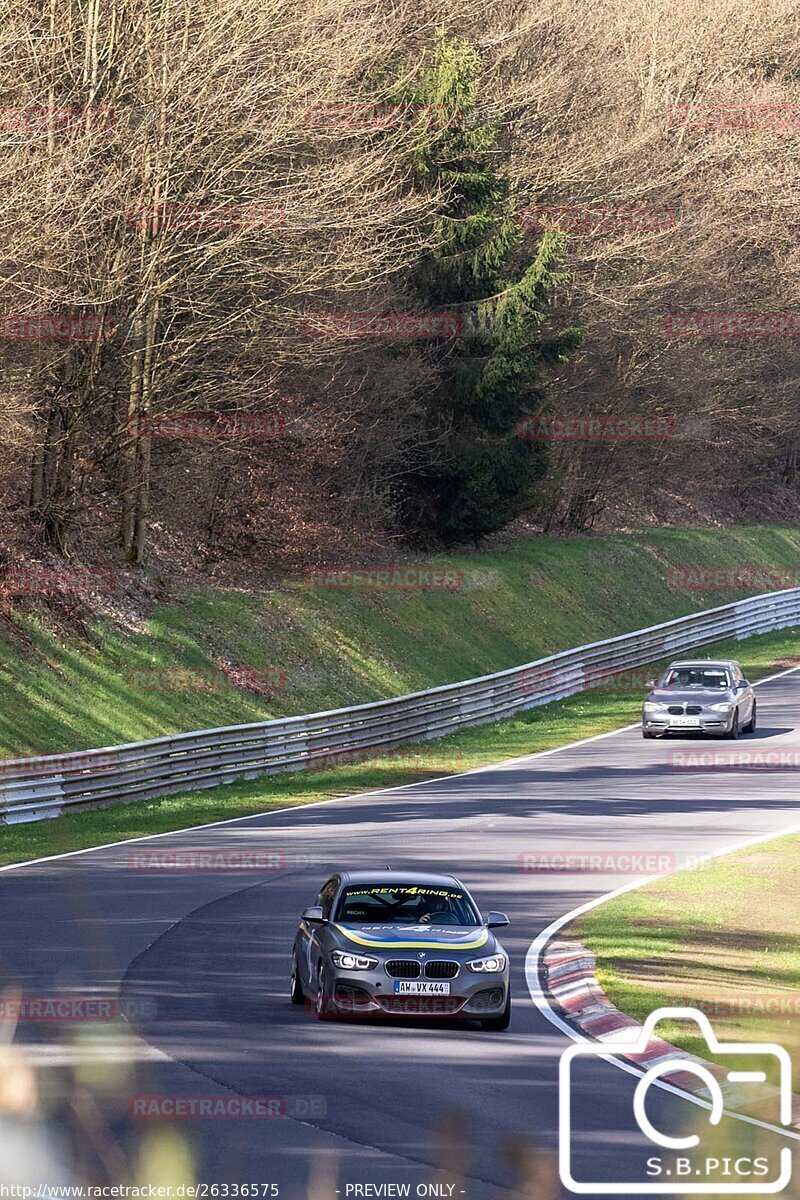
(714,723)
(373,994)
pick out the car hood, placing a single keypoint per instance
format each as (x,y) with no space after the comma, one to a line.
(416,937)
(690,696)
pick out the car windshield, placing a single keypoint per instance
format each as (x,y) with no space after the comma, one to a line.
(405,904)
(710,678)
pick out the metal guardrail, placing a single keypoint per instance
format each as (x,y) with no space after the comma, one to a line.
(34,788)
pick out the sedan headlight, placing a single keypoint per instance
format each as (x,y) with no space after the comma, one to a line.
(495,962)
(352,962)
(651,707)
(725,706)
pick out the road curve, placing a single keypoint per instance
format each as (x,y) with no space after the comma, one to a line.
(201,961)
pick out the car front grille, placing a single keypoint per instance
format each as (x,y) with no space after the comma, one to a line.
(676,710)
(438,969)
(694,710)
(402,968)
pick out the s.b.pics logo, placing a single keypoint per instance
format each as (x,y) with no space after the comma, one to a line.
(696,1163)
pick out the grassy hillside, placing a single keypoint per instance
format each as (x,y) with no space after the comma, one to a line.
(340,647)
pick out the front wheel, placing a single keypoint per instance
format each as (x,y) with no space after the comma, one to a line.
(295,986)
(733,732)
(646,734)
(750,727)
(322,1002)
(501,1022)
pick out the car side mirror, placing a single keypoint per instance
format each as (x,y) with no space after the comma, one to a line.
(742,683)
(496,920)
(650,684)
(314,915)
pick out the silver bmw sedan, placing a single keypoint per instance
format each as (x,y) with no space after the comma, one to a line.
(701,696)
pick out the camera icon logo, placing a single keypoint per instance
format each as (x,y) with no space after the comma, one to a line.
(686,1176)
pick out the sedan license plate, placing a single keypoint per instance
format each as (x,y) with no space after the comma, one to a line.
(685,722)
(416,987)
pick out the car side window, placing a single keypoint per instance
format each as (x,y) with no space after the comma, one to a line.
(326,896)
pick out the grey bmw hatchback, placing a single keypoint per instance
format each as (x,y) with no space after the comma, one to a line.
(400,944)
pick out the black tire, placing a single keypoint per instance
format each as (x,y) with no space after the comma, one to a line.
(296,993)
(322,1004)
(750,727)
(734,730)
(497,1024)
(648,735)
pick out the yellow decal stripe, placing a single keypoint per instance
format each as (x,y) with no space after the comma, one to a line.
(391,945)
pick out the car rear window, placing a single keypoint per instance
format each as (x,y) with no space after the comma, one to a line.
(405,904)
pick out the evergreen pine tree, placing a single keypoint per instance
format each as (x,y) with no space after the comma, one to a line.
(483,474)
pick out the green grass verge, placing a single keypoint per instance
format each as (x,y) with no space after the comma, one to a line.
(723,937)
(584,715)
(340,647)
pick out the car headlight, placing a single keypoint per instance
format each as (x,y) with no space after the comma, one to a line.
(723,707)
(651,706)
(352,962)
(495,962)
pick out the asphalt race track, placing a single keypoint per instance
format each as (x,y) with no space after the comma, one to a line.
(202,960)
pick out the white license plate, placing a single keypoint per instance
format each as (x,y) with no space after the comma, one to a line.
(416,987)
(685,722)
